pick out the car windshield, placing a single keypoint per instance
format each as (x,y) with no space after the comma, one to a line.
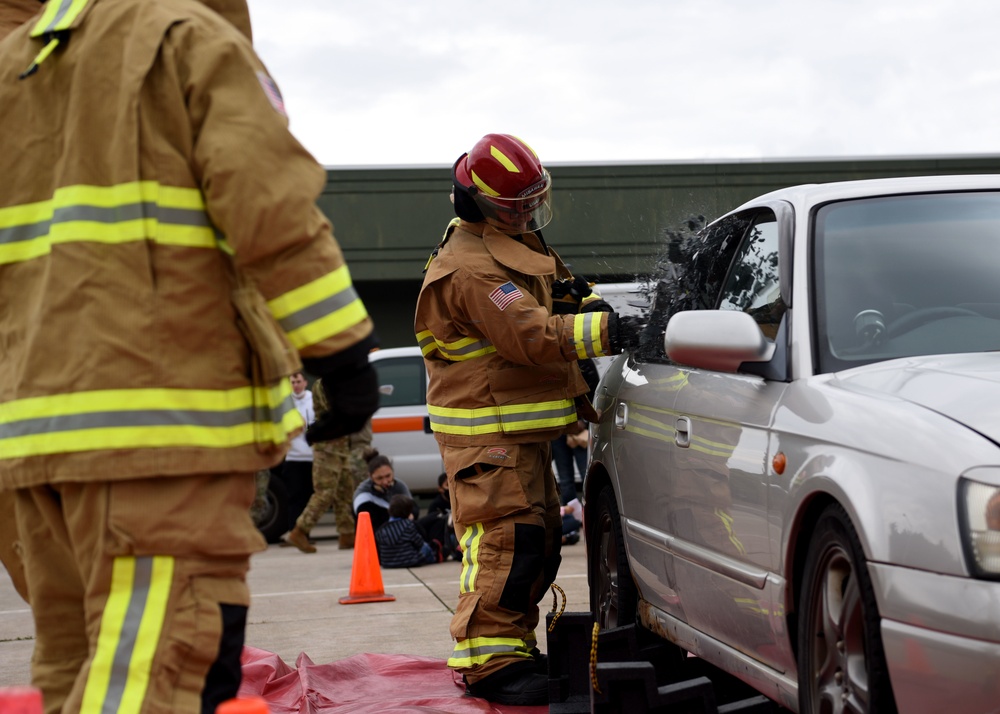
(906,275)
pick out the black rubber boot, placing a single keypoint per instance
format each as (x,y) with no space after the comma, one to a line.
(516,684)
(541,660)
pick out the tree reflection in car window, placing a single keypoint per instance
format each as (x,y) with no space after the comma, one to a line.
(752,285)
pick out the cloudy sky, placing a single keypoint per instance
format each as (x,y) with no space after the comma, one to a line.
(416,82)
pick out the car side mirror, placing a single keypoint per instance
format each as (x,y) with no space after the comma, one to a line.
(719,340)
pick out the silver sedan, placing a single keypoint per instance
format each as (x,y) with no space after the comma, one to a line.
(799,480)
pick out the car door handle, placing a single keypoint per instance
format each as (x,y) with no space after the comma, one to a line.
(683,436)
(621,415)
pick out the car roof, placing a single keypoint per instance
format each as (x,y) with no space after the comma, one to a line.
(811,194)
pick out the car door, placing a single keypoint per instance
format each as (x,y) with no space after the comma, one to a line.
(645,428)
(719,466)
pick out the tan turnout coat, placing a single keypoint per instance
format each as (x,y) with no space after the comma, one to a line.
(502,368)
(128,181)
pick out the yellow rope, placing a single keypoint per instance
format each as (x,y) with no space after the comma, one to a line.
(593,658)
(554,603)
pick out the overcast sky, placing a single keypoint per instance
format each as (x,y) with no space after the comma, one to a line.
(417,82)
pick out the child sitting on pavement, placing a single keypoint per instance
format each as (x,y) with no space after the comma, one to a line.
(399,543)
(437,526)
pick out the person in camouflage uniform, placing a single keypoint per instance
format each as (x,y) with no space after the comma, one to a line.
(338,468)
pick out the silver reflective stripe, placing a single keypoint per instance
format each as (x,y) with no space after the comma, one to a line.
(427,341)
(515,417)
(471,558)
(64,7)
(127,639)
(465,421)
(471,652)
(107,216)
(319,309)
(588,324)
(115,419)
(467,349)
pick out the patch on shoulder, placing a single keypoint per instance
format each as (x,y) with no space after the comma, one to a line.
(272,92)
(505,295)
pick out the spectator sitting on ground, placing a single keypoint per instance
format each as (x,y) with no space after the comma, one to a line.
(437,524)
(373,494)
(572,521)
(399,543)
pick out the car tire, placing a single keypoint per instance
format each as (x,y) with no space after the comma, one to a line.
(613,595)
(841,659)
(272,520)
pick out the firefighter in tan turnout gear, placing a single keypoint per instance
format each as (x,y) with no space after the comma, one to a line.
(503,383)
(163,264)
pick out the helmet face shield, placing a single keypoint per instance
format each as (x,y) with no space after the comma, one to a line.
(522,214)
(508,183)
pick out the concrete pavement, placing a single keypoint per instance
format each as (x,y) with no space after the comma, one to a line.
(295,608)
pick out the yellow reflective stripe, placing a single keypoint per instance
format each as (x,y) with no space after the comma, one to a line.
(508,418)
(131,626)
(712,448)
(728,521)
(319,309)
(504,161)
(146,418)
(471,540)
(587,335)
(130,212)
(459,351)
(425,340)
(58,15)
(656,429)
(479,650)
(483,186)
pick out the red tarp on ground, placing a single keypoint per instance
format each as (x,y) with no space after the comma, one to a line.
(362,684)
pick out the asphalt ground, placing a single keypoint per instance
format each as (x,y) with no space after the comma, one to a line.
(295,608)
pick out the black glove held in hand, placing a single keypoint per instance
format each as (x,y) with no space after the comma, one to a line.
(624,332)
(353,397)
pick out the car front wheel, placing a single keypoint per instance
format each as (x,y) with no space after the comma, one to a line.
(841,659)
(613,594)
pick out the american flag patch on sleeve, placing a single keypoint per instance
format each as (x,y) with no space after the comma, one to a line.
(505,295)
(272,92)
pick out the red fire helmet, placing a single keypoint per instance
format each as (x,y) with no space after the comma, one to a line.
(508,183)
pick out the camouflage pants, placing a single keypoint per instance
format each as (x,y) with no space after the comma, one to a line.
(337,471)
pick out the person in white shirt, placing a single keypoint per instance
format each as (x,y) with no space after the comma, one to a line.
(296,471)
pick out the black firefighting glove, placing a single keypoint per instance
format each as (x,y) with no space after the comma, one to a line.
(352,393)
(567,294)
(624,332)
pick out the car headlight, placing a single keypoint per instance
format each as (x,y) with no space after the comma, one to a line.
(979,505)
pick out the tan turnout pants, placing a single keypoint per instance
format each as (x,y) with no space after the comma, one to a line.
(505,505)
(131,583)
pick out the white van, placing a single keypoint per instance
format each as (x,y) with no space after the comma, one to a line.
(400,427)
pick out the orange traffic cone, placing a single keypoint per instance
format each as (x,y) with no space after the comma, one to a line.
(20,700)
(243,705)
(366,577)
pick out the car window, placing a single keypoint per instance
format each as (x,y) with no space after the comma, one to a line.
(407,378)
(693,276)
(752,284)
(901,276)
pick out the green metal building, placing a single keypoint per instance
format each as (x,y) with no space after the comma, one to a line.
(609,220)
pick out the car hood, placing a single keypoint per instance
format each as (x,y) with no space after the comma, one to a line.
(963,387)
